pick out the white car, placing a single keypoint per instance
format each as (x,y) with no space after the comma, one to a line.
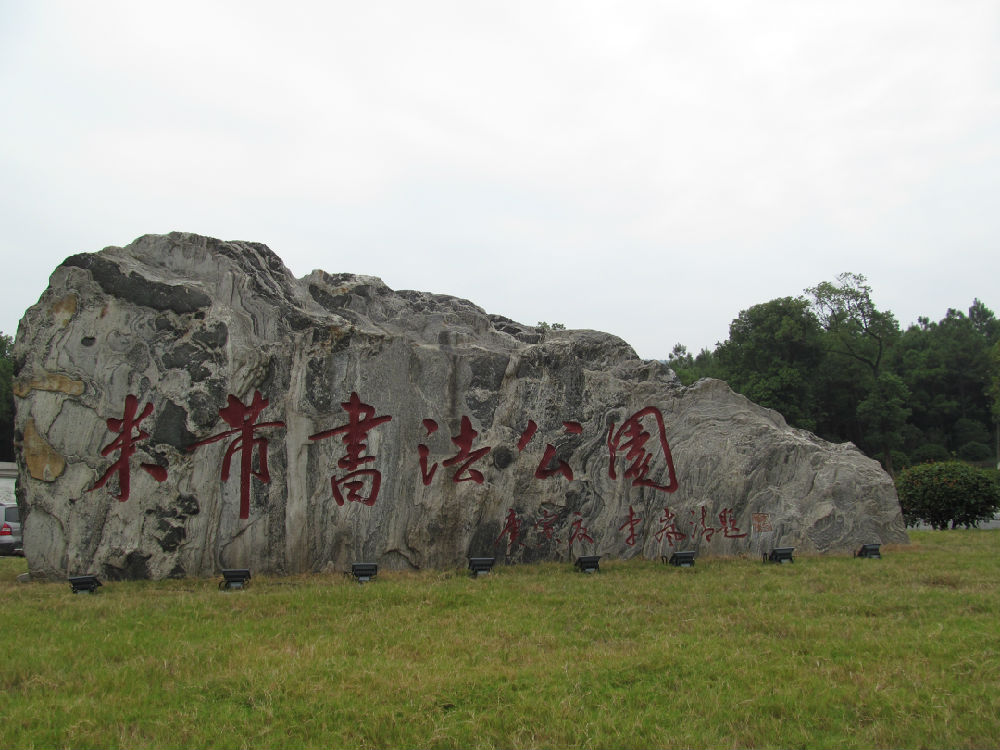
(10,531)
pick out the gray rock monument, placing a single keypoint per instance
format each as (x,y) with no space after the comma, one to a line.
(185,405)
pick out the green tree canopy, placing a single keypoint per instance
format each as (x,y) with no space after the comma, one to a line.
(856,328)
(841,367)
(948,368)
(772,351)
(993,387)
(883,414)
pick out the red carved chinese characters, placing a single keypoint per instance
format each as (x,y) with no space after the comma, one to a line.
(511,529)
(465,457)
(729,528)
(546,524)
(668,528)
(464,440)
(361,420)
(561,466)
(700,528)
(544,470)
(631,438)
(631,523)
(529,432)
(243,419)
(426,476)
(125,444)
(579,531)
(761,522)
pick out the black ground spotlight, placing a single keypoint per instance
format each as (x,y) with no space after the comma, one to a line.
(871,551)
(234,579)
(588,563)
(364,572)
(87,583)
(780,555)
(480,566)
(684,559)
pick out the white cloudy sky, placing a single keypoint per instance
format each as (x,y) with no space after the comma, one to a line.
(644,168)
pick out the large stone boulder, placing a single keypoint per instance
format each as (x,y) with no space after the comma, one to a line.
(185,405)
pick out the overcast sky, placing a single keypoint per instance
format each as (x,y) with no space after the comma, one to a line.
(644,168)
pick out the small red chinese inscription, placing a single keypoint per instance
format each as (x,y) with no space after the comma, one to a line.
(761,522)
(579,531)
(546,524)
(699,527)
(729,528)
(668,528)
(511,529)
(631,523)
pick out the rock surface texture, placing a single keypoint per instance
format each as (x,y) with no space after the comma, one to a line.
(185,404)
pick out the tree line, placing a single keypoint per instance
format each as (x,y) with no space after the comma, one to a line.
(831,362)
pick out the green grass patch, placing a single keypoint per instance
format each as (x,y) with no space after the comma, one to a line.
(827,652)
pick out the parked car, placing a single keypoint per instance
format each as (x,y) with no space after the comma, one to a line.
(10,531)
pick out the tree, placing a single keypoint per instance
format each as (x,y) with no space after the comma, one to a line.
(993,391)
(858,330)
(946,493)
(682,363)
(692,368)
(771,357)
(6,398)
(984,321)
(883,414)
(857,338)
(680,357)
(948,368)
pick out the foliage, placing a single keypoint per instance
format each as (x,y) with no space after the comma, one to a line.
(969,431)
(770,355)
(6,398)
(929,452)
(730,653)
(692,368)
(993,386)
(948,369)
(974,451)
(883,413)
(857,328)
(858,400)
(900,460)
(929,393)
(553,327)
(950,492)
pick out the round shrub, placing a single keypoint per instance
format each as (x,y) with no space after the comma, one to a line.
(949,492)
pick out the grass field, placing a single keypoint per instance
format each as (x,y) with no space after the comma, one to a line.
(826,652)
